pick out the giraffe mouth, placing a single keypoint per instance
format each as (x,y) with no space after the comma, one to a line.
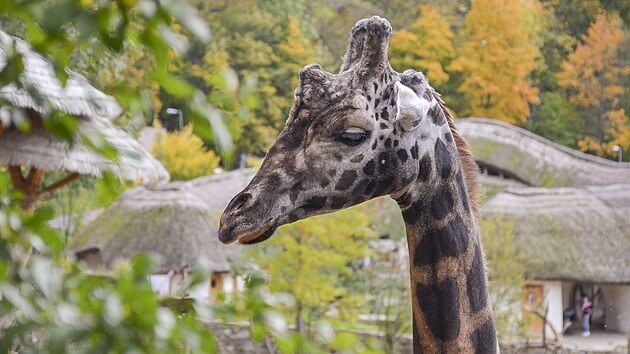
(256,237)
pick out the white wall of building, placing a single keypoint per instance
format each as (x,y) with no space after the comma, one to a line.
(160,283)
(228,283)
(201,291)
(554,301)
(617,299)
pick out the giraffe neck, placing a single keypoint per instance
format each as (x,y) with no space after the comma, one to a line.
(450,302)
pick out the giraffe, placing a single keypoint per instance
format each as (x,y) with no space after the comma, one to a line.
(367,132)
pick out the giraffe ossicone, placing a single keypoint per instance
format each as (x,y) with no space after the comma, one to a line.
(370,131)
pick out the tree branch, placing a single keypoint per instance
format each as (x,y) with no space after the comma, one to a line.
(537,312)
(16,177)
(60,183)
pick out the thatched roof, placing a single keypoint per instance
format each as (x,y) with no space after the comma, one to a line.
(95,110)
(77,98)
(580,234)
(536,160)
(39,149)
(177,221)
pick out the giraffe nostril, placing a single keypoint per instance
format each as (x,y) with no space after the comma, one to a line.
(239,202)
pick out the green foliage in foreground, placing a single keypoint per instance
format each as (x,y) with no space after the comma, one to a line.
(506,273)
(315,261)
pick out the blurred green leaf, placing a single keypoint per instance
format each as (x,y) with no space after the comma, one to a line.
(95,141)
(172,84)
(345,341)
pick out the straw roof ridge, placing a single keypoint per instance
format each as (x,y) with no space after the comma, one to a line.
(574,153)
(77,97)
(536,160)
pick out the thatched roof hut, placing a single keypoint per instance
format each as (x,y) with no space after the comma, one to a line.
(40,86)
(578,234)
(177,221)
(534,160)
(40,150)
(37,93)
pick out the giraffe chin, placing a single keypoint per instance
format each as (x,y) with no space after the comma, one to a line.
(256,238)
(228,235)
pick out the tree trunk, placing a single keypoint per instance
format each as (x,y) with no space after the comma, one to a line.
(299,321)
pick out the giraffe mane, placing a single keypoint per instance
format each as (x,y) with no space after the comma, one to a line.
(469,166)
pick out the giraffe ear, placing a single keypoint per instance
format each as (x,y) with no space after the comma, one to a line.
(410,109)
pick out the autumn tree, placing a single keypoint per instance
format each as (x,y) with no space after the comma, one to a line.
(499,53)
(426,46)
(184,154)
(312,260)
(295,51)
(591,75)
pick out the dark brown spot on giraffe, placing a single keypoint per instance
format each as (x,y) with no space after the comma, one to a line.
(414,151)
(368,169)
(386,163)
(424,168)
(385,114)
(388,92)
(417,348)
(442,202)
(369,189)
(324,181)
(274,179)
(449,137)
(439,304)
(388,143)
(369,98)
(363,188)
(383,126)
(396,143)
(337,202)
(463,192)
(385,186)
(443,162)
(374,144)
(376,102)
(476,283)
(337,156)
(346,180)
(437,244)
(428,95)
(381,137)
(357,158)
(402,155)
(437,116)
(375,86)
(314,204)
(484,339)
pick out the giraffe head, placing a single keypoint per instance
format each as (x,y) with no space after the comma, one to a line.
(349,137)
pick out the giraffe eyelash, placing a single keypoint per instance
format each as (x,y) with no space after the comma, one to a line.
(353,136)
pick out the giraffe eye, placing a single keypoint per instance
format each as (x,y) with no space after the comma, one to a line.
(353,136)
